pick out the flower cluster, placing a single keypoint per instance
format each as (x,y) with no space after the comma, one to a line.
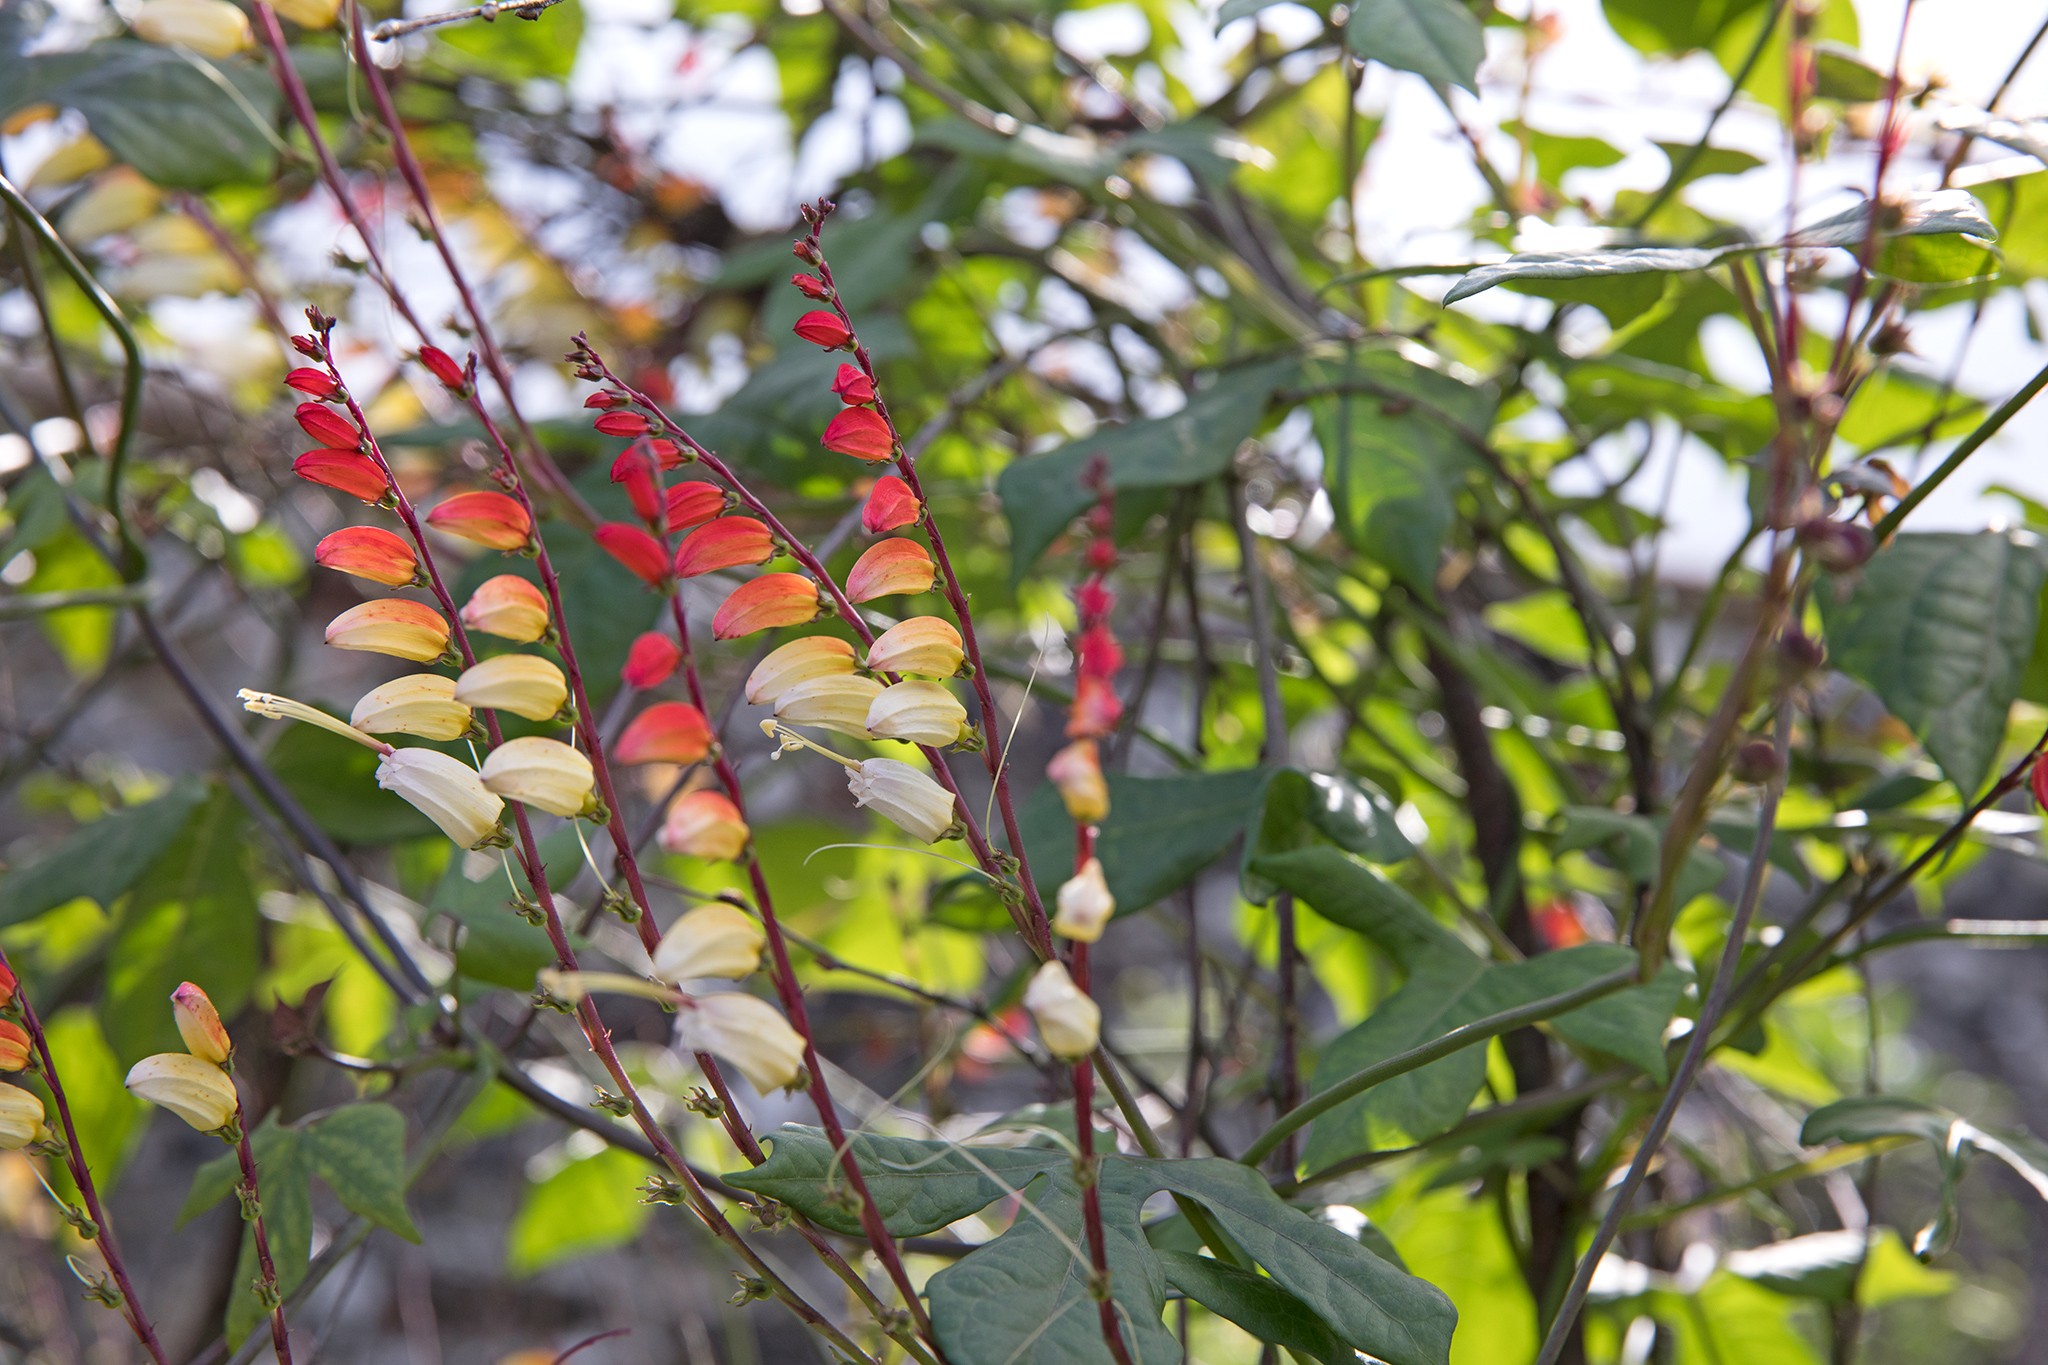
(198,1084)
(21,1111)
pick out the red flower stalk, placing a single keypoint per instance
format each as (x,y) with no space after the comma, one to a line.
(853,386)
(694,502)
(328,427)
(622,424)
(314,383)
(666,732)
(723,543)
(890,567)
(773,599)
(823,329)
(345,472)
(861,433)
(641,553)
(443,367)
(651,661)
(492,520)
(889,506)
(368,552)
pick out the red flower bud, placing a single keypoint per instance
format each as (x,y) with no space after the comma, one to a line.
(694,502)
(859,432)
(328,427)
(606,398)
(368,552)
(1102,555)
(668,452)
(823,329)
(1094,600)
(1099,654)
(444,368)
(651,661)
(315,383)
(635,469)
(666,732)
(639,552)
(811,285)
(723,543)
(1096,709)
(309,347)
(492,520)
(1557,924)
(773,599)
(344,471)
(889,506)
(622,424)
(853,386)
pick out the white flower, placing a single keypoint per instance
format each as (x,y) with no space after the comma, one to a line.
(746,1031)
(524,684)
(194,1089)
(712,940)
(21,1118)
(420,704)
(903,795)
(920,712)
(543,773)
(1085,904)
(1067,1020)
(832,702)
(446,791)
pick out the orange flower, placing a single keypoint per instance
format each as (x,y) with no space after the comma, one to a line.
(13,1046)
(199,1025)
(368,552)
(694,502)
(889,506)
(1076,772)
(492,520)
(391,625)
(724,543)
(775,599)
(639,552)
(1096,708)
(7,984)
(859,432)
(853,386)
(651,661)
(890,567)
(704,824)
(508,607)
(666,732)
(345,472)
(635,470)
(444,368)
(328,427)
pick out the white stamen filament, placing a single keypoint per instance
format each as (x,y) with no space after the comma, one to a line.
(284,708)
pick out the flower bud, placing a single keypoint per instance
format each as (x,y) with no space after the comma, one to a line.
(368,552)
(421,704)
(622,424)
(666,732)
(7,985)
(438,362)
(639,552)
(823,329)
(837,701)
(888,568)
(904,796)
(773,599)
(634,471)
(508,607)
(543,773)
(749,1033)
(492,520)
(1085,904)
(13,1046)
(891,504)
(810,286)
(313,383)
(345,472)
(692,503)
(920,712)
(194,1089)
(799,661)
(212,28)
(712,940)
(115,202)
(606,399)
(1068,1021)
(651,661)
(1096,709)
(1094,599)
(309,13)
(666,453)
(704,824)
(861,433)
(391,625)
(1558,925)
(853,386)
(446,791)
(328,427)
(923,644)
(1097,654)
(199,1025)
(1076,772)
(726,543)
(524,684)
(21,1118)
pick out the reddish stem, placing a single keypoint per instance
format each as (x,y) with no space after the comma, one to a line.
(280,1335)
(1091,1194)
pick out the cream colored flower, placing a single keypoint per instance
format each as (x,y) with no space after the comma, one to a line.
(1067,1020)
(1085,905)
(838,702)
(21,1118)
(524,684)
(905,796)
(421,704)
(923,644)
(920,712)
(711,940)
(309,13)
(446,791)
(799,661)
(508,607)
(749,1033)
(212,28)
(543,773)
(1077,773)
(194,1089)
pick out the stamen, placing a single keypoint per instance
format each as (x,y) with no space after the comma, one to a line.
(788,741)
(274,707)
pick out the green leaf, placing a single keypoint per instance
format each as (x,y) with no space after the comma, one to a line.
(1161,831)
(1255,1303)
(587,1206)
(497,946)
(1843,73)
(109,1119)
(919,1186)
(1820,1265)
(100,860)
(1439,40)
(1634,844)
(336,782)
(1297,807)
(1941,625)
(83,635)
(360,1152)
(1658,26)
(1042,494)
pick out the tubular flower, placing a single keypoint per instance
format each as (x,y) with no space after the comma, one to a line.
(1096,708)
(799,661)
(345,472)
(651,661)
(328,427)
(543,773)
(446,791)
(634,471)
(853,386)
(368,552)
(666,732)
(313,383)
(1068,1021)
(823,329)
(927,645)
(639,552)
(391,625)
(920,712)
(194,1089)
(692,503)
(1085,904)
(712,940)
(21,1118)
(889,506)
(605,399)
(438,362)
(837,701)
(773,599)
(861,433)
(274,707)
(622,424)
(212,28)
(1076,771)
(905,796)
(13,1046)
(890,567)
(524,684)
(726,543)
(492,520)
(421,704)
(199,1025)
(508,607)
(748,1032)
(704,824)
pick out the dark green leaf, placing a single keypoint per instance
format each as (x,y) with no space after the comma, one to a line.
(1941,625)
(919,1186)
(1820,1265)
(1160,833)
(1255,1303)
(497,946)
(336,782)
(1658,26)
(1843,73)
(360,1152)
(1352,814)
(99,861)
(1439,40)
